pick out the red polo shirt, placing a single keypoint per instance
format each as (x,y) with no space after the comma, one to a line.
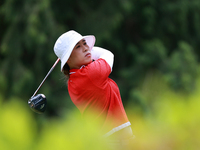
(90,88)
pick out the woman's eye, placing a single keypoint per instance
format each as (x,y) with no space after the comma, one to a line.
(78,46)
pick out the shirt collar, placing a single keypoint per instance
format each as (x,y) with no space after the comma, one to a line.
(72,71)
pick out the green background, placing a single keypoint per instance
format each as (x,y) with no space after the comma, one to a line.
(156,46)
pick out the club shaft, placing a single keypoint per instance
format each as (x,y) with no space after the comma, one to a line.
(46,76)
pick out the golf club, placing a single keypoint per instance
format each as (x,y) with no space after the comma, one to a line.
(38,103)
(46,76)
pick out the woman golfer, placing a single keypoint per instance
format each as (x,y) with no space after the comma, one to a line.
(90,88)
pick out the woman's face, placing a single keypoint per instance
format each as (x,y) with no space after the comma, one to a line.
(81,55)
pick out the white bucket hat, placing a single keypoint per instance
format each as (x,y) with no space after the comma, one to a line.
(66,43)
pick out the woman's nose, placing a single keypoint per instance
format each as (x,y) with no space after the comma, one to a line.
(85,48)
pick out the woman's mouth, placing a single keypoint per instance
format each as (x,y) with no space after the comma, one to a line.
(88,55)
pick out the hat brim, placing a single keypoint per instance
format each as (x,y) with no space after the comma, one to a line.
(90,40)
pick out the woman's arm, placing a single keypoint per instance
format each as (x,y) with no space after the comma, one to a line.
(98,52)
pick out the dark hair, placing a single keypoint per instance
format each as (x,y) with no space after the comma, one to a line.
(66,69)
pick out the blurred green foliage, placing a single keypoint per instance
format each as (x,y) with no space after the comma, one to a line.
(171,123)
(172,120)
(18,128)
(156,47)
(155,43)
(145,36)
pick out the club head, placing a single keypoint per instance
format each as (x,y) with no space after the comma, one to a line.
(38,103)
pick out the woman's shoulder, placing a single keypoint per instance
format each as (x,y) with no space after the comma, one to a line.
(98,64)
